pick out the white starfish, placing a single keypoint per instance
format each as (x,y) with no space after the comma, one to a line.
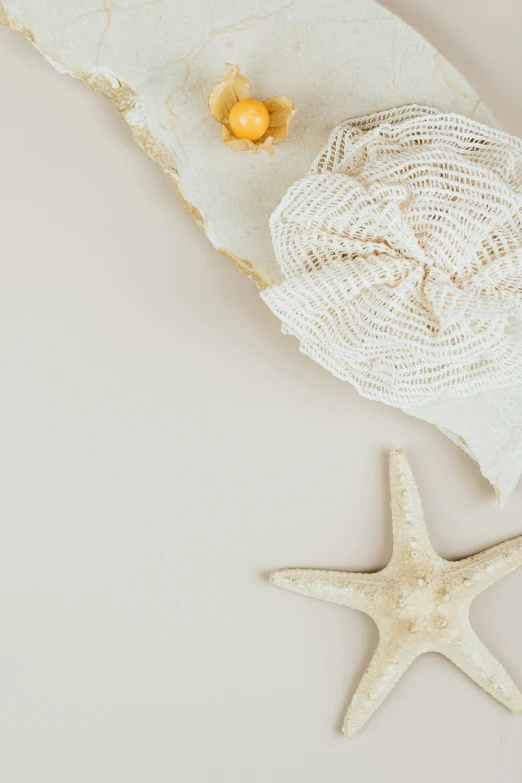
(419,601)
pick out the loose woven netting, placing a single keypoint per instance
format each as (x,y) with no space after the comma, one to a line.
(402,257)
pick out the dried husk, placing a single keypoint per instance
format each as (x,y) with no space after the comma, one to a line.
(235,87)
(232,88)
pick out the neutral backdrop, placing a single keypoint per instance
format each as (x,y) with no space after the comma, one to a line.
(163,446)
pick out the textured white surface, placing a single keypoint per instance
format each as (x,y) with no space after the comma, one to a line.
(419,601)
(158,60)
(402,255)
(427,270)
(488,427)
(334,59)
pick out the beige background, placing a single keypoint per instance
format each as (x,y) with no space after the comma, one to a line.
(163,446)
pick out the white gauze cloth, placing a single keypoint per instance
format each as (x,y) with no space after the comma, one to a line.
(401,251)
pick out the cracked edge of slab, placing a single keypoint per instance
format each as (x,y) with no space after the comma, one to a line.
(126,101)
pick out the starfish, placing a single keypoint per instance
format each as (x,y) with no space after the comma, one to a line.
(419,602)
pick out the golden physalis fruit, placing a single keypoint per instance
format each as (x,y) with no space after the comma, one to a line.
(247,123)
(249,119)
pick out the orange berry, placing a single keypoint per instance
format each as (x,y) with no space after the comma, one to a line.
(249,119)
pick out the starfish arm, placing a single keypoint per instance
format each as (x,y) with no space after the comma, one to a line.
(474,659)
(358,591)
(476,573)
(411,543)
(390,660)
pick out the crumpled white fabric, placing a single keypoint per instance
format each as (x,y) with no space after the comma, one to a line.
(401,251)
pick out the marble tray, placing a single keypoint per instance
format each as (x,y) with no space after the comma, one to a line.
(157,61)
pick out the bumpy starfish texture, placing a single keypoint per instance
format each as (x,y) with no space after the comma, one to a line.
(419,602)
